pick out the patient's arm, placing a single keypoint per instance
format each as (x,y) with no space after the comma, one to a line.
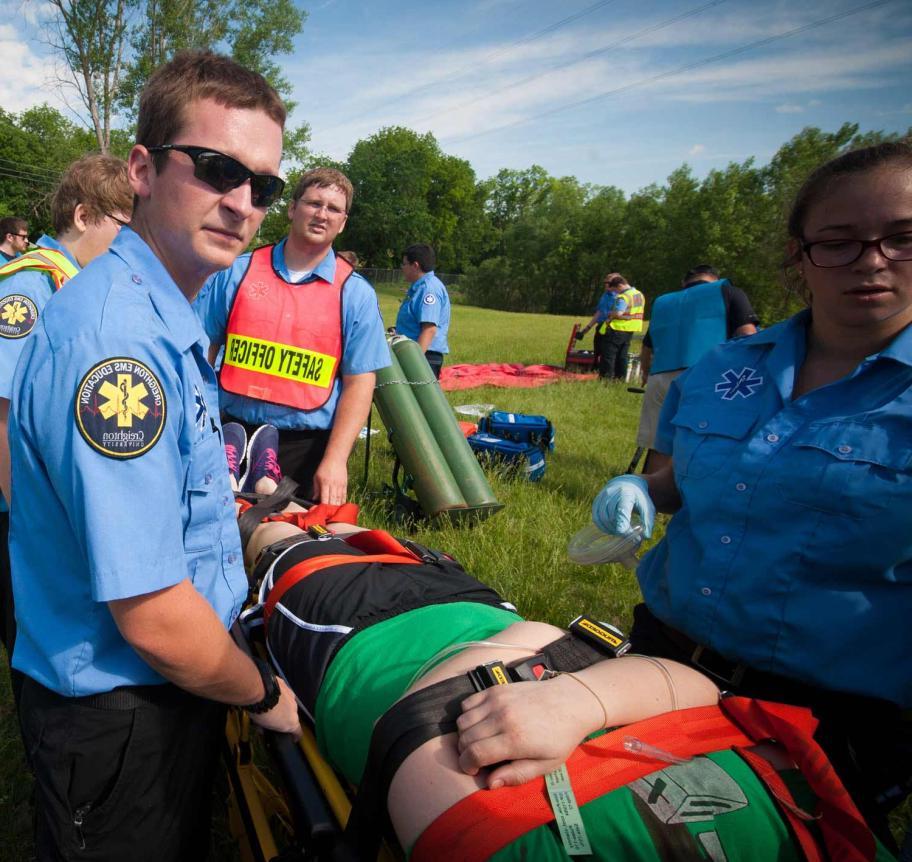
(536,725)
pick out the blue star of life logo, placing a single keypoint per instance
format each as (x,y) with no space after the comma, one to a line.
(201,411)
(734,383)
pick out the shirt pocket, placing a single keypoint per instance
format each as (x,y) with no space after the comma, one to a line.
(207,461)
(849,469)
(707,437)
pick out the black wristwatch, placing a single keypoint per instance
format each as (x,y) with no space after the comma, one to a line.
(270,686)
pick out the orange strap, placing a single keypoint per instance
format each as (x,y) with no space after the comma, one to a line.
(307,567)
(485,822)
(845,833)
(480,825)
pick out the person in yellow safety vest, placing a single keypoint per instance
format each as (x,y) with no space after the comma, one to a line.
(618,316)
(91,203)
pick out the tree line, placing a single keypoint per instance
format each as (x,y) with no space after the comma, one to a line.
(524,240)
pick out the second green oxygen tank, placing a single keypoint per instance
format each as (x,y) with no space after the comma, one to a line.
(411,436)
(442,421)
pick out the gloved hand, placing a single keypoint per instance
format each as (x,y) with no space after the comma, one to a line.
(579,335)
(618,501)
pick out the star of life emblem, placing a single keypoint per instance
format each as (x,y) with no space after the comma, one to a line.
(743,383)
(202,412)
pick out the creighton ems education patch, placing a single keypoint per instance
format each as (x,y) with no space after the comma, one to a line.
(120,408)
(18,314)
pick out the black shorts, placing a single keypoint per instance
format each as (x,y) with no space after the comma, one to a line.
(321,612)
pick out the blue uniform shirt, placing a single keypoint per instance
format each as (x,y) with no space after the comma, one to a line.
(792,551)
(39,288)
(605,306)
(121,481)
(427,301)
(364,347)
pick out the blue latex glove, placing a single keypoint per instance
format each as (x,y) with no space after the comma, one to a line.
(618,501)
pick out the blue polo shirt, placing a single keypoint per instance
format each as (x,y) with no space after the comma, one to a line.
(364,347)
(122,486)
(39,288)
(606,304)
(792,551)
(427,301)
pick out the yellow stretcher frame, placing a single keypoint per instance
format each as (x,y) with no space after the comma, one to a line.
(312,799)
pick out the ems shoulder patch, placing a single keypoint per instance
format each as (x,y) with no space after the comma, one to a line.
(18,314)
(120,408)
(430,299)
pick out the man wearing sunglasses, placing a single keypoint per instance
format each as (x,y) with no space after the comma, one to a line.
(90,200)
(127,565)
(13,237)
(303,337)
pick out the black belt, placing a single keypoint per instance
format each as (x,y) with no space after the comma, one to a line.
(123,697)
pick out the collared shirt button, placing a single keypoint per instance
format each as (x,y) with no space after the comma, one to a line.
(225,500)
(726,540)
(703,424)
(844,450)
(740,486)
(137,279)
(208,478)
(706,591)
(772,438)
(232,558)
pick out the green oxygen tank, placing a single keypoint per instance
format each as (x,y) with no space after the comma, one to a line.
(442,421)
(435,486)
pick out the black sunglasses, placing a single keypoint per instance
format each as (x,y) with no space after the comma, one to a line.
(224,173)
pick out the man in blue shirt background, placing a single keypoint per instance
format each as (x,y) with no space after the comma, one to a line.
(314,442)
(13,237)
(90,204)
(424,315)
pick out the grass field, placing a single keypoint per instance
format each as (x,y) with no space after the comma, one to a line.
(521,551)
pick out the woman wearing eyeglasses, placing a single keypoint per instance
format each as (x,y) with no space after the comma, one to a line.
(786,571)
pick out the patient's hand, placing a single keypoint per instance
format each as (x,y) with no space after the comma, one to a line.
(283,717)
(533,725)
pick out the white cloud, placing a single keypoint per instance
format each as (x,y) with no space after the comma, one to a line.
(697,150)
(29,75)
(789,108)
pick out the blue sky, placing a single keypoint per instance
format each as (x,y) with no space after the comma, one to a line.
(511,83)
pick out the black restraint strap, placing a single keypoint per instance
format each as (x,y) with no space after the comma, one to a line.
(410,723)
(274,503)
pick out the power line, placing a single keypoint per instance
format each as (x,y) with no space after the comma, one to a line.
(19,176)
(465,70)
(587,56)
(37,170)
(672,72)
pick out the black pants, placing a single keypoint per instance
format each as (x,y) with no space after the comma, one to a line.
(300,453)
(129,779)
(435,360)
(612,349)
(868,741)
(7,611)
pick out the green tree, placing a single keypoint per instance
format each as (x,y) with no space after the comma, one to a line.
(407,190)
(110,47)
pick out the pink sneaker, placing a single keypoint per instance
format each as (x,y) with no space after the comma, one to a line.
(262,458)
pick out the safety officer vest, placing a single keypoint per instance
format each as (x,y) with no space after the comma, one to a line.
(284,341)
(633,317)
(686,324)
(55,263)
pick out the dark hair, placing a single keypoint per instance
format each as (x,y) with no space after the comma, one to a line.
(422,254)
(325,178)
(698,270)
(194,75)
(821,180)
(12,224)
(96,181)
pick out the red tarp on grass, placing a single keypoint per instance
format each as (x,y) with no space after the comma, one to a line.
(504,374)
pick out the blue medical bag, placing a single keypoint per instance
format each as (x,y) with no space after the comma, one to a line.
(519,427)
(525,458)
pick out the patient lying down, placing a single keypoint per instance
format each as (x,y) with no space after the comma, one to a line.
(354,638)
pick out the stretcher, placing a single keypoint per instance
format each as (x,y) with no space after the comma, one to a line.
(296,807)
(584,360)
